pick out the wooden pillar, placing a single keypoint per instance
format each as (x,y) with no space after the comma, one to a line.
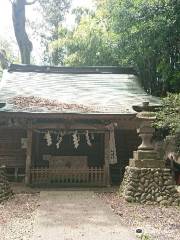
(28,154)
(16,174)
(37,141)
(107,158)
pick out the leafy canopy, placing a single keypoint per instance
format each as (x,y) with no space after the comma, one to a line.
(140,33)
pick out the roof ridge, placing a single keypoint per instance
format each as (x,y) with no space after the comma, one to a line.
(73,70)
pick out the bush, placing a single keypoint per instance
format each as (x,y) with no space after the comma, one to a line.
(168,118)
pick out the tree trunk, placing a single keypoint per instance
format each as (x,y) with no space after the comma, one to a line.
(19,19)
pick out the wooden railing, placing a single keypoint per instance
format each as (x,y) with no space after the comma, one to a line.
(92,176)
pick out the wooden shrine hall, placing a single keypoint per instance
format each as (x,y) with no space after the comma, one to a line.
(63,126)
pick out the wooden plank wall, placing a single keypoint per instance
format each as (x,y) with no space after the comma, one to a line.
(11,153)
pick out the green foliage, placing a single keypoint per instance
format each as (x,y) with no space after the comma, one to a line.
(148,39)
(8,48)
(90,43)
(145,237)
(169,115)
(140,33)
(1,73)
(80,12)
(168,118)
(53,13)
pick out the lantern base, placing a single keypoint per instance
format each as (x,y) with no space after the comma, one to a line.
(149,186)
(146,159)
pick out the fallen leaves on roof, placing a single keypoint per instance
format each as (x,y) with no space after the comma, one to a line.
(33,103)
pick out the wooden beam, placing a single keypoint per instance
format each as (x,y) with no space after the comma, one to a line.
(17,128)
(124,121)
(107,158)
(72,70)
(28,154)
(69,126)
(70,116)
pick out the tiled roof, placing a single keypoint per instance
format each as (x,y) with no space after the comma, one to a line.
(92,92)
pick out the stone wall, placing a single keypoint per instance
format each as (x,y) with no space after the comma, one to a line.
(150,186)
(5,190)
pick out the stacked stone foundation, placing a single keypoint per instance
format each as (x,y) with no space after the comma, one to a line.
(146,179)
(5,190)
(150,186)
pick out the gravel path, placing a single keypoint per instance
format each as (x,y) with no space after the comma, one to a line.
(17,217)
(80,214)
(157,222)
(77,215)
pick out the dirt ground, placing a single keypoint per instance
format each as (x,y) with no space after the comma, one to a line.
(18,216)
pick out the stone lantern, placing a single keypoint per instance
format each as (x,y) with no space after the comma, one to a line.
(146,130)
(146,180)
(146,156)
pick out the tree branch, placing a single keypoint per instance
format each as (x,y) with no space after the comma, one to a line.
(29,3)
